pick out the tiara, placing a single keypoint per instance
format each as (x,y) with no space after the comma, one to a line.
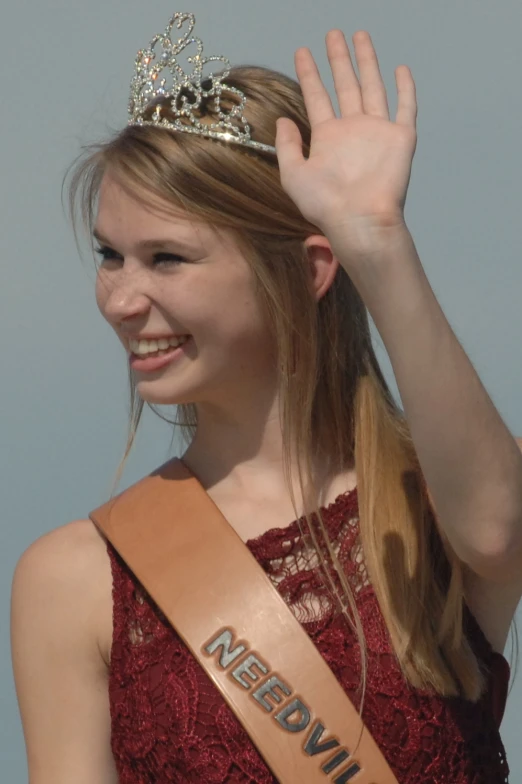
(158,76)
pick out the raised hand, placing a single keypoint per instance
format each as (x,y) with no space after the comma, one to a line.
(353,185)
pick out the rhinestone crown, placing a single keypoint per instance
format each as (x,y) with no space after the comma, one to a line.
(151,84)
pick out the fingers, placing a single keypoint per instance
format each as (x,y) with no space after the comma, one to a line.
(355,95)
(346,83)
(289,146)
(317,100)
(407,105)
(374,98)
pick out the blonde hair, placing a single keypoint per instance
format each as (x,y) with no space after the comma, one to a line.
(333,396)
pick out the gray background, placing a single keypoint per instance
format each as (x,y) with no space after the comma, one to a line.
(67,68)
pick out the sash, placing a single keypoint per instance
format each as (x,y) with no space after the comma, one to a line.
(224,607)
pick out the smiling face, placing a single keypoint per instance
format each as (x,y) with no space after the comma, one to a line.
(194,283)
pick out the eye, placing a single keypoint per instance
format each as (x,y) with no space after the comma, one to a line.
(108,254)
(105,253)
(167,258)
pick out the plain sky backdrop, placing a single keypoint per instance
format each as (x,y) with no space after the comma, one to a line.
(67,67)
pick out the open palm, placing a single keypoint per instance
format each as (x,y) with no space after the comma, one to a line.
(359,166)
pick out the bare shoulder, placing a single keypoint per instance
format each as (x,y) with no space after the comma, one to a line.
(76,555)
(61,590)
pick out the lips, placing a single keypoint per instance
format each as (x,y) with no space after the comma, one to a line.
(132,341)
(147,363)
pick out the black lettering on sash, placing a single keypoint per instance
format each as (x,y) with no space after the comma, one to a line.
(268,686)
(292,707)
(224,640)
(312,747)
(335,761)
(243,668)
(347,774)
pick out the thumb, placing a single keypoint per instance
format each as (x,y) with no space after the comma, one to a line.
(288,144)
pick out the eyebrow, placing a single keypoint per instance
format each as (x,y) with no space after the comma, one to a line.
(152,243)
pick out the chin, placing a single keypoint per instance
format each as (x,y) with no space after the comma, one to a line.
(159,398)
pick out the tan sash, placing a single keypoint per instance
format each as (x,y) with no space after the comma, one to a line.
(224,607)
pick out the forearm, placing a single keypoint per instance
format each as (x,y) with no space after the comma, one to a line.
(471,462)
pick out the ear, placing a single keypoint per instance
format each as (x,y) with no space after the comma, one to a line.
(324,265)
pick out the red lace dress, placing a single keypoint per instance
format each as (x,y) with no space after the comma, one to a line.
(171,724)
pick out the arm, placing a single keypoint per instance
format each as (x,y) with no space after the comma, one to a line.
(471,462)
(353,187)
(60,676)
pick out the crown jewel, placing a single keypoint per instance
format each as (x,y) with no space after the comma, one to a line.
(158,76)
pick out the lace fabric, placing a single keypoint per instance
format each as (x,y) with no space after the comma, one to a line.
(171,724)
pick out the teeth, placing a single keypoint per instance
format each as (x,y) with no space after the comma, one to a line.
(143,347)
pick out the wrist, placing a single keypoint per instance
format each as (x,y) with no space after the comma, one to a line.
(369,249)
(361,237)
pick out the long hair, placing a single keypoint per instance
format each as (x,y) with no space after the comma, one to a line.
(334,400)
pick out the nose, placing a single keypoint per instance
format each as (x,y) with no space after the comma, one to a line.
(122,295)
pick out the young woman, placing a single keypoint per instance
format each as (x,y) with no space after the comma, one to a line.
(395,537)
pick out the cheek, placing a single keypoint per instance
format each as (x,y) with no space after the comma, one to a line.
(98,291)
(217,310)
(101,298)
(101,291)
(241,324)
(103,288)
